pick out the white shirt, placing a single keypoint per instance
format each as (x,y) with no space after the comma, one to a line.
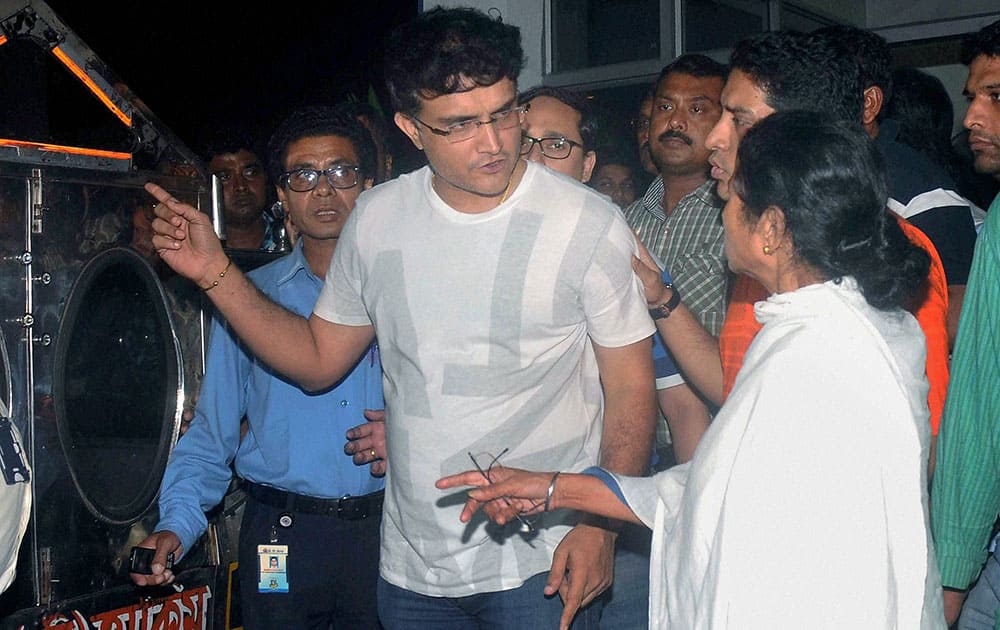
(805,505)
(484,324)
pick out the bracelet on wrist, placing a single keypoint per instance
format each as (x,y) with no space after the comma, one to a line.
(222,274)
(548,495)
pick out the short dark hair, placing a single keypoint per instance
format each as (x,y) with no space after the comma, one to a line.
(374,121)
(984,42)
(608,155)
(374,117)
(320,120)
(870,50)
(230,139)
(445,51)
(921,106)
(828,179)
(695,65)
(575,100)
(800,71)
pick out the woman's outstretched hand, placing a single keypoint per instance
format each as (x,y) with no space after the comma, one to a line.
(508,493)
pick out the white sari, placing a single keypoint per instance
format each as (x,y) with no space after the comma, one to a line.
(805,505)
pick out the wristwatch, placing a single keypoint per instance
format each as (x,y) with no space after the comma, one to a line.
(663,310)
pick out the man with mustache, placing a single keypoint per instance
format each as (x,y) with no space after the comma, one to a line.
(966,490)
(678,220)
(233,159)
(781,71)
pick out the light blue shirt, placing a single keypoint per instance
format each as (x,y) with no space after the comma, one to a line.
(295,440)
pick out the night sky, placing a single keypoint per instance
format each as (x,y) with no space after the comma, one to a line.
(201,64)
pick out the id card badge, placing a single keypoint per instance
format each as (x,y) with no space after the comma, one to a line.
(273,562)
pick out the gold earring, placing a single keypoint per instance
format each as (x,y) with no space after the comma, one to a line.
(767,250)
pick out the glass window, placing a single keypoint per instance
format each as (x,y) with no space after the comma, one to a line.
(710,25)
(592,33)
(798,18)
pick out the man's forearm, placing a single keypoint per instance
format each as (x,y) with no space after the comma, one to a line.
(279,337)
(695,350)
(629,433)
(629,409)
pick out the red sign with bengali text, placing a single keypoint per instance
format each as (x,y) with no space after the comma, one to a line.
(187,610)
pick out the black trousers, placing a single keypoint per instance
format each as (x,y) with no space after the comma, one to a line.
(332,571)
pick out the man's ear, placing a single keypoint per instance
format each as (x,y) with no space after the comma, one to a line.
(874,100)
(368,183)
(280,190)
(589,161)
(409,128)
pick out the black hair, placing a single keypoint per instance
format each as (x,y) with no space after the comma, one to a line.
(695,65)
(870,50)
(445,51)
(231,139)
(984,42)
(374,121)
(828,179)
(608,155)
(320,120)
(800,71)
(647,96)
(615,154)
(373,116)
(923,109)
(575,100)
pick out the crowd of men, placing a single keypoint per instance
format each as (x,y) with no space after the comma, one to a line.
(490,303)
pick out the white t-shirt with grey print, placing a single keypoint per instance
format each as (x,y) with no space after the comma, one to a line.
(484,324)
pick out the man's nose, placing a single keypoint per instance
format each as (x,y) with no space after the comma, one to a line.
(489,138)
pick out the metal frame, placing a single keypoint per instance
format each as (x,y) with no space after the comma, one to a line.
(35,21)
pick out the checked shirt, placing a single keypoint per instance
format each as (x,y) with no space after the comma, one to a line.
(689,243)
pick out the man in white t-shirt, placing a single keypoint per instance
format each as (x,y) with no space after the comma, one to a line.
(511,329)
(510,325)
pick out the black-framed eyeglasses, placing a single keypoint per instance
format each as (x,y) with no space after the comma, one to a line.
(305,179)
(466,129)
(557,148)
(250,171)
(527,525)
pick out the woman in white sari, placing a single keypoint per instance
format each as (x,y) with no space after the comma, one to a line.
(805,504)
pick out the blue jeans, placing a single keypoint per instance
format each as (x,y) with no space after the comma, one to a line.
(980,609)
(515,609)
(626,602)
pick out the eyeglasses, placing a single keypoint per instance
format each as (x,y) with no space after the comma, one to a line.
(639,124)
(557,148)
(251,171)
(466,129)
(305,179)
(527,526)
